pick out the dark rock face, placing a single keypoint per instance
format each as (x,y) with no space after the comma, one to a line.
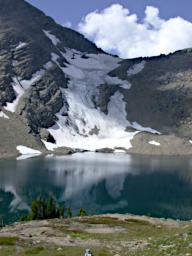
(105,150)
(160,96)
(105,93)
(43,100)
(7,93)
(46,136)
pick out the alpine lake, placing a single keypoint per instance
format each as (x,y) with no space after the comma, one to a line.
(99,183)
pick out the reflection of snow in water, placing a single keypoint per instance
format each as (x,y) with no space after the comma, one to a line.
(86,170)
(115,186)
(91,180)
(17,203)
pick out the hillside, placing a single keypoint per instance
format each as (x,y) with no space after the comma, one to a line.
(105,235)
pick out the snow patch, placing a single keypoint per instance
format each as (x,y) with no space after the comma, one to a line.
(21,45)
(138,127)
(137,68)
(48,65)
(117,81)
(52,37)
(155,143)
(27,151)
(14,63)
(3,115)
(120,151)
(35,77)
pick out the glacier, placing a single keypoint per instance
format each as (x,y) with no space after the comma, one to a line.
(83,125)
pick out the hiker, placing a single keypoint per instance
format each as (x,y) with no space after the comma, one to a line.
(88,252)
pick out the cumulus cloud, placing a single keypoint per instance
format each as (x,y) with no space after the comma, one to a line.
(67,24)
(116,30)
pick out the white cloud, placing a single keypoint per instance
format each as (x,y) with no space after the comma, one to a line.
(67,24)
(117,31)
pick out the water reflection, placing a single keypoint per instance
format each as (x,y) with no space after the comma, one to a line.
(160,186)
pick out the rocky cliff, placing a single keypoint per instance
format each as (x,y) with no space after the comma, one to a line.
(59,90)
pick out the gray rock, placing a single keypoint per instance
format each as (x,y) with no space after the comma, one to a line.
(105,150)
(46,136)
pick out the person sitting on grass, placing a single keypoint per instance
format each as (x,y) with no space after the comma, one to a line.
(88,252)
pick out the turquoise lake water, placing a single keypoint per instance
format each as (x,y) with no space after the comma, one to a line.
(100,183)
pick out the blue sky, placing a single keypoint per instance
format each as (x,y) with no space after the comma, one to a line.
(73,10)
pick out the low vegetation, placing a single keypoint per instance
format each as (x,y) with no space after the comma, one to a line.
(6,241)
(107,235)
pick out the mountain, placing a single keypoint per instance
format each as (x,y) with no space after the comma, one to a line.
(59,92)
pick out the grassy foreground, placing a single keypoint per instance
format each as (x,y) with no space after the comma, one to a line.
(106,235)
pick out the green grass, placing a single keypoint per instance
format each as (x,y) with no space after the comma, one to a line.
(99,220)
(134,237)
(8,240)
(138,221)
(78,234)
(52,251)
(34,251)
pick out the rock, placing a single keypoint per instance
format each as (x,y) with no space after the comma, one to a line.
(64,151)
(105,150)
(45,135)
